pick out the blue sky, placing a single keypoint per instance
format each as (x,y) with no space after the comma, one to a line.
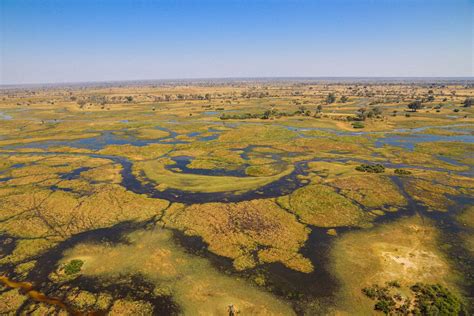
(72,41)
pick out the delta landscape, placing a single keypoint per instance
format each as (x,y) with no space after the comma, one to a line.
(249,197)
(236,158)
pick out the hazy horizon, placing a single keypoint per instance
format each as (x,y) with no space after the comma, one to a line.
(54,42)
(316,79)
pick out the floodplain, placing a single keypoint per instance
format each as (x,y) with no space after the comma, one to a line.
(255,197)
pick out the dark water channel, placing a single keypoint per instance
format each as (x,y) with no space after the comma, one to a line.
(296,287)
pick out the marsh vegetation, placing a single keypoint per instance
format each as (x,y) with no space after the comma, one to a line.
(273,197)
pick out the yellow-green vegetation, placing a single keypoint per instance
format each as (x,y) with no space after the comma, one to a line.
(210,156)
(41,216)
(156,172)
(405,250)
(210,164)
(398,155)
(250,232)
(10,300)
(262,170)
(463,184)
(455,150)
(138,153)
(327,146)
(442,131)
(322,206)
(450,149)
(64,175)
(466,218)
(331,170)
(417,299)
(432,195)
(149,133)
(80,300)
(73,266)
(368,190)
(372,191)
(128,307)
(196,286)
(257,134)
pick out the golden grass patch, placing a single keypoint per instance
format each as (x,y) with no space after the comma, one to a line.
(322,206)
(405,250)
(241,231)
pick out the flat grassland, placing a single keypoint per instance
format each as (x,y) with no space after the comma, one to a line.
(273,197)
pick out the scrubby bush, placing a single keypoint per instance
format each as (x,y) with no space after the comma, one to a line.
(468,102)
(402,172)
(415,105)
(265,115)
(394,283)
(385,306)
(358,125)
(370,292)
(424,299)
(375,111)
(73,267)
(376,168)
(331,98)
(364,113)
(435,299)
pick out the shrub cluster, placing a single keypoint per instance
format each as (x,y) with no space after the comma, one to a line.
(423,299)
(402,172)
(358,124)
(265,115)
(468,102)
(435,299)
(376,168)
(73,267)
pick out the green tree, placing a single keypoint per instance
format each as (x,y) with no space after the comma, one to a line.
(435,299)
(331,98)
(415,105)
(266,115)
(468,102)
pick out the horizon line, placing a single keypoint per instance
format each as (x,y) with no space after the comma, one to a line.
(237,78)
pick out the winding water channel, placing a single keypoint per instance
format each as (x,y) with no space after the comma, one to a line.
(282,186)
(319,284)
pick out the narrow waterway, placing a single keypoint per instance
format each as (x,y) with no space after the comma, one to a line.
(286,283)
